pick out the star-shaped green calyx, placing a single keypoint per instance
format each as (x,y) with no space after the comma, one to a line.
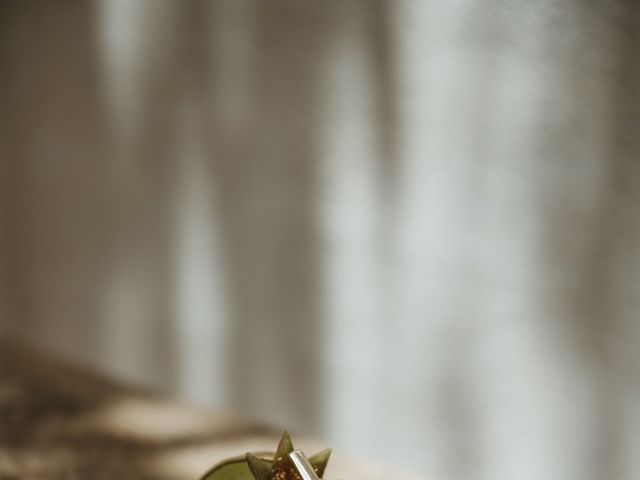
(282,467)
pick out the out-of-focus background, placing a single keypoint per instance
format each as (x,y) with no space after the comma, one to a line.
(409,228)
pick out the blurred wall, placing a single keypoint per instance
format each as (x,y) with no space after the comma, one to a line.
(408,227)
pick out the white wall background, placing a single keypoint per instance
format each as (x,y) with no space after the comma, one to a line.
(410,228)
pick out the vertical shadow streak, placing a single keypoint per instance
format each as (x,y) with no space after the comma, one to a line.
(53,197)
(265,180)
(601,276)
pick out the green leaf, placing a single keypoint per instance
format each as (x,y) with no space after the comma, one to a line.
(319,461)
(260,469)
(285,447)
(231,470)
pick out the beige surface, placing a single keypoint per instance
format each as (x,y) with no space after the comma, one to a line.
(61,422)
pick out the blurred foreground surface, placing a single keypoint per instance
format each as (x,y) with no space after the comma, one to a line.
(58,422)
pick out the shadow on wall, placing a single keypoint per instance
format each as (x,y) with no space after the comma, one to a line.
(163,171)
